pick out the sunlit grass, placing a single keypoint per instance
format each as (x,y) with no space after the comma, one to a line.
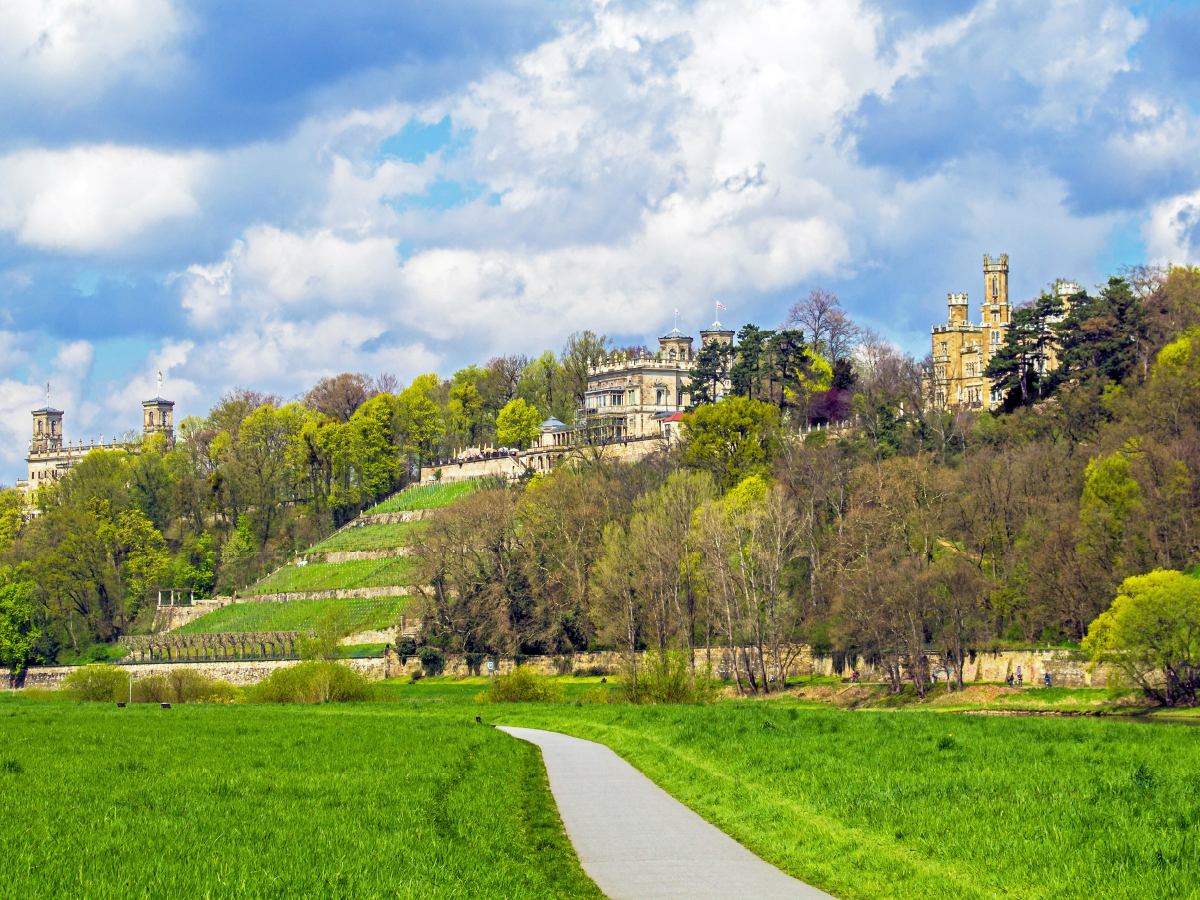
(427,496)
(371,537)
(337,576)
(299,615)
(358,801)
(921,804)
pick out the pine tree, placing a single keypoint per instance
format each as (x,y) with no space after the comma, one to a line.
(710,369)
(1017,367)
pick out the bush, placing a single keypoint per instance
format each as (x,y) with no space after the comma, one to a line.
(592,672)
(522,685)
(431,660)
(98,683)
(183,686)
(667,677)
(312,682)
(406,647)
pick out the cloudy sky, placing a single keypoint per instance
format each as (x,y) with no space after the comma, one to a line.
(262,198)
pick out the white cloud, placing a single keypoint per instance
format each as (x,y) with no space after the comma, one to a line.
(97,198)
(1172,231)
(73,49)
(68,370)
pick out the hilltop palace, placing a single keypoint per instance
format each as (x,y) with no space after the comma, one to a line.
(50,458)
(962,350)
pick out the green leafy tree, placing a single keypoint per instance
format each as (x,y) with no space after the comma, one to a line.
(1018,368)
(732,439)
(582,350)
(420,419)
(1151,636)
(12,517)
(517,424)
(1101,335)
(18,631)
(238,557)
(710,371)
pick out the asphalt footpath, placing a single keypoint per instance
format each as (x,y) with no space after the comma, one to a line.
(637,842)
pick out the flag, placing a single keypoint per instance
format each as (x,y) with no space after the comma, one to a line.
(677,312)
(719,306)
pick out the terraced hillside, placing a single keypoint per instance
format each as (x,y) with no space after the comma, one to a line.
(388,572)
(298,615)
(370,537)
(310,574)
(427,496)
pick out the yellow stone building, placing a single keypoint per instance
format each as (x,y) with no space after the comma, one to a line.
(962,349)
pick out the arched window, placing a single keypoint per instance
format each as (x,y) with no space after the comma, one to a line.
(39,426)
(672,355)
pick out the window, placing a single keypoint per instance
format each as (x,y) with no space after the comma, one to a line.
(39,426)
(943,348)
(995,337)
(658,398)
(672,355)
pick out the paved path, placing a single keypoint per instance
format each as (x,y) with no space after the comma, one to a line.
(637,842)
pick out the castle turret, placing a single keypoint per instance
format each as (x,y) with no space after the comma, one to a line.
(158,415)
(716,332)
(47,429)
(675,345)
(958,309)
(995,283)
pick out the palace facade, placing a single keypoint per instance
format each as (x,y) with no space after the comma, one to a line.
(643,396)
(50,457)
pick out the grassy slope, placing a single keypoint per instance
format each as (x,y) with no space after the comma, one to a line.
(337,576)
(297,615)
(427,496)
(924,805)
(359,802)
(371,537)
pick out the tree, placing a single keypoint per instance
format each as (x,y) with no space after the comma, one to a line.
(338,397)
(1151,636)
(517,424)
(582,350)
(12,516)
(732,439)
(709,373)
(419,419)
(1018,368)
(18,632)
(1101,335)
(833,335)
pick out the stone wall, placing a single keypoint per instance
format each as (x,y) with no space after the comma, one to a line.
(236,672)
(364,593)
(335,556)
(391,518)
(406,628)
(168,618)
(1068,668)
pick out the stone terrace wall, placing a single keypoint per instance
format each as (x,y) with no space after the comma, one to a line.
(1067,668)
(237,672)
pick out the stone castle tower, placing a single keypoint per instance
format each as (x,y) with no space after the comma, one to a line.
(962,349)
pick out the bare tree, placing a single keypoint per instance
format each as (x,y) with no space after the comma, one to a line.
(338,397)
(386,383)
(826,324)
(507,372)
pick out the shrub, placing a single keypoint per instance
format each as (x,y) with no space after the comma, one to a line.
(406,647)
(183,686)
(431,660)
(592,672)
(522,685)
(97,683)
(312,682)
(667,677)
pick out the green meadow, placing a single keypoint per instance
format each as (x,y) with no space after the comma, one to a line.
(407,796)
(255,801)
(905,804)
(427,496)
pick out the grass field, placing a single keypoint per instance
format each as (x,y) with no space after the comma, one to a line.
(357,801)
(913,805)
(337,576)
(371,537)
(298,615)
(427,496)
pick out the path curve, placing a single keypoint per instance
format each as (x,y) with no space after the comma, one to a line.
(637,842)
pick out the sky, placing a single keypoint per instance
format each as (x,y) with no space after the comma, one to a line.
(264,194)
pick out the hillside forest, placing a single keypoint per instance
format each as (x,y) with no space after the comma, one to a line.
(901,528)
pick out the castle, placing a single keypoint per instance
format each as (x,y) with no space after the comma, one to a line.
(962,350)
(50,458)
(643,396)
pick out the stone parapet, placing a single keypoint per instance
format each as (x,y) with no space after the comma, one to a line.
(335,556)
(363,593)
(391,518)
